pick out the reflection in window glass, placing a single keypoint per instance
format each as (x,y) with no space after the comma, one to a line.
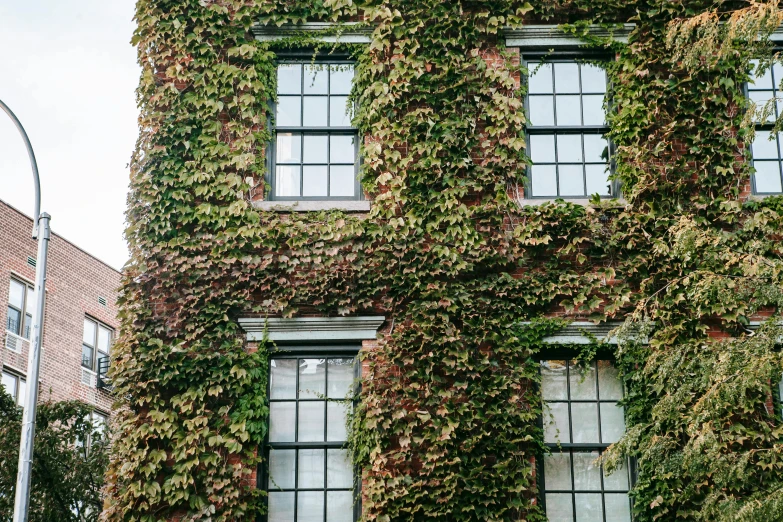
(581,419)
(567,128)
(763,91)
(15,386)
(21,302)
(309,472)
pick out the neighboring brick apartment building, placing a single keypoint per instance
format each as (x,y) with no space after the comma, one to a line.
(80,318)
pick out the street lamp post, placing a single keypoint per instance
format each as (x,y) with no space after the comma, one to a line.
(42,233)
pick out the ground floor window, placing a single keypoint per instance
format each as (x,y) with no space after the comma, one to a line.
(308,474)
(581,419)
(15,385)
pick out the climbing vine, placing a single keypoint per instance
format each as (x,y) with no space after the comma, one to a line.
(470,281)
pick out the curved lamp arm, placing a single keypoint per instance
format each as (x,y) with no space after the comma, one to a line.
(30,153)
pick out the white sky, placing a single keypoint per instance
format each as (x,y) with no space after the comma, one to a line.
(68,72)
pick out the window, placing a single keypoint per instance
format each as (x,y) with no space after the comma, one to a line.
(766,153)
(16,386)
(566,131)
(96,343)
(581,419)
(309,474)
(316,148)
(21,303)
(99,422)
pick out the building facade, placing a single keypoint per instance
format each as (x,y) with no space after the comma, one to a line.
(80,317)
(433,261)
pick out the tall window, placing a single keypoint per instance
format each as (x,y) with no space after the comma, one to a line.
(581,419)
(96,343)
(15,385)
(316,148)
(567,130)
(309,474)
(767,148)
(21,302)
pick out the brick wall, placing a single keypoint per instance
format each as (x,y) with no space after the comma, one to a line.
(75,280)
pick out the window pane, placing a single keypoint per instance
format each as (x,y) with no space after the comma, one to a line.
(763,147)
(553,380)
(316,79)
(593,110)
(88,336)
(339,506)
(542,110)
(543,180)
(338,469)
(315,181)
(342,180)
(582,381)
(540,79)
(289,111)
(311,421)
(568,110)
(571,180)
(289,78)
(556,423)
(618,507)
(14,321)
(312,378)
(342,149)
(287,181)
(288,148)
(542,148)
(339,112)
(315,148)
(609,385)
(281,506)
(104,339)
(617,481)
(9,383)
(760,99)
(282,469)
(282,378)
(587,474)
(310,506)
(87,356)
(282,416)
(597,180)
(30,304)
(311,468)
(314,108)
(763,81)
(569,148)
(342,78)
(612,422)
(557,471)
(21,392)
(585,425)
(593,78)
(588,507)
(767,176)
(28,325)
(559,507)
(335,421)
(596,148)
(566,77)
(16,294)
(341,375)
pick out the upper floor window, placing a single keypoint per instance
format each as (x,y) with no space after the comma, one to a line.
(21,302)
(309,473)
(766,147)
(316,147)
(15,385)
(96,343)
(581,419)
(567,128)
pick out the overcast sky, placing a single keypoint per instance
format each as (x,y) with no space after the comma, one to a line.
(68,71)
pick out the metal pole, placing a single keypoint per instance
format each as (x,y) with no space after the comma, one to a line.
(42,233)
(22,498)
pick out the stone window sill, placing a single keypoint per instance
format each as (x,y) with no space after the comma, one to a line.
(312,206)
(585,202)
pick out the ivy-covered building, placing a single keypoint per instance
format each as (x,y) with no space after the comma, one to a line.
(456,261)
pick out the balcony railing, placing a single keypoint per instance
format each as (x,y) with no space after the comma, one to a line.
(103,369)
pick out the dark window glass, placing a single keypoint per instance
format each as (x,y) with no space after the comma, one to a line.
(309,474)
(763,90)
(96,343)
(316,146)
(581,419)
(567,130)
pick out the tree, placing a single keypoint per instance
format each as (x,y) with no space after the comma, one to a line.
(69,460)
